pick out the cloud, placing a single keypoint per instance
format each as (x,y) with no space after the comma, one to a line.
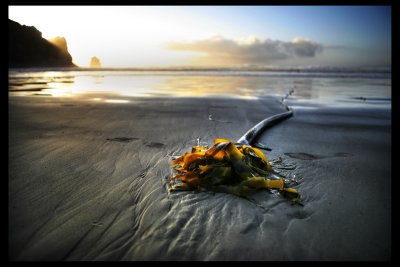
(250,50)
(338,47)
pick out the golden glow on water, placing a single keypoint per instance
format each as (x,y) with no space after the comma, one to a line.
(121,86)
(118,101)
(74,84)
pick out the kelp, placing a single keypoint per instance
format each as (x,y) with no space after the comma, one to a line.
(228,167)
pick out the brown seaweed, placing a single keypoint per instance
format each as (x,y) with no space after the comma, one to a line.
(228,167)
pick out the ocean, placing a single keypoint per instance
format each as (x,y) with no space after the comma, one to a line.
(327,86)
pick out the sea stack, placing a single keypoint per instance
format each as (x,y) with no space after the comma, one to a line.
(95,63)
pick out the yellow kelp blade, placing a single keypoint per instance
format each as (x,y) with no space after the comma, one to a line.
(290,192)
(199,149)
(261,182)
(233,152)
(221,140)
(217,151)
(256,153)
(190,158)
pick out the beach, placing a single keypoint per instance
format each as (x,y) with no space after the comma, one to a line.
(88,178)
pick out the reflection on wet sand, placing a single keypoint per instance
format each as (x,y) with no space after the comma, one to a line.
(94,84)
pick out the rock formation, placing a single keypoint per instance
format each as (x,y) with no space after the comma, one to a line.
(95,63)
(27,48)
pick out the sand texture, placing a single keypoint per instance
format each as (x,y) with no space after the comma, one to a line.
(87,181)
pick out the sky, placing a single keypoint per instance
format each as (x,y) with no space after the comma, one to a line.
(211,36)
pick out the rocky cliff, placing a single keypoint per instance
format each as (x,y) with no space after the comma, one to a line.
(27,48)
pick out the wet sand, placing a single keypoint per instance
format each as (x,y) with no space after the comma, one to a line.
(87,181)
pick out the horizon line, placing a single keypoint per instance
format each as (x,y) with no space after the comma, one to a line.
(222,68)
